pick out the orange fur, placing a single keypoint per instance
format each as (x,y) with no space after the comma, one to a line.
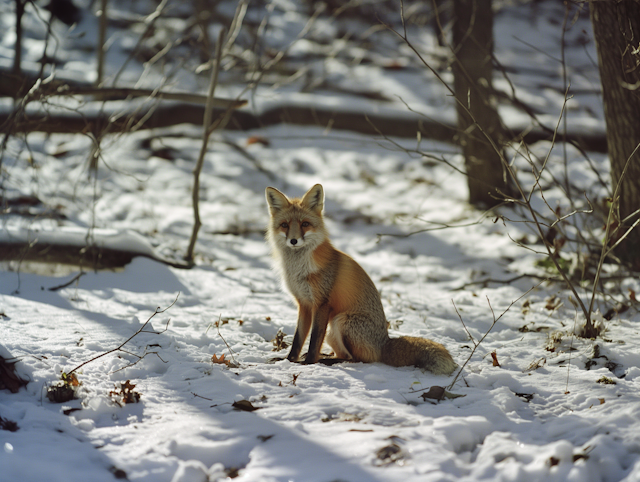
(332,290)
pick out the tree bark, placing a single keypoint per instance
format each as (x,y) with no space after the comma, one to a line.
(472,71)
(616,28)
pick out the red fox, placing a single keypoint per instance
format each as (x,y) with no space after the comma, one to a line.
(333,291)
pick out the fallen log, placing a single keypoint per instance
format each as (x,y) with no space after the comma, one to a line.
(105,249)
(167,115)
(188,108)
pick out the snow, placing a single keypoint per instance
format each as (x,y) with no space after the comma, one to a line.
(543,414)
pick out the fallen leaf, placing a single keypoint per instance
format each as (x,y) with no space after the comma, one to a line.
(553,303)
(219,360)
(70,379)
(434,393)
(494,357)
(295,378)
(390,454)
(128,385)
(258,140)
(527,397)
(8,425)
(394,65)
(244,405)
(278,341)
(125,394)
(9,379)
(439,393)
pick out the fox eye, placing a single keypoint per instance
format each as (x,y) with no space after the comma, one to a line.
(306,224)
(284,225)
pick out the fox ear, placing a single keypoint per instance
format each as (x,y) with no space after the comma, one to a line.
(314,198)
(276,200)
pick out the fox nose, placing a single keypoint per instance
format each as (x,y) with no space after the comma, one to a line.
(294,241)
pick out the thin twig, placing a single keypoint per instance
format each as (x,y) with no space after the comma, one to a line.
(200,396)
(506,281)
(150,21)
(140,330)
(463,325)
(495,320)
(256,163)
(439,226)
(225,342)
(68,283)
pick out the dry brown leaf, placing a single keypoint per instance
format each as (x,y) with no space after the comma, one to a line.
(70,379)
(125,394)
(258,140)
(391,454)
(219,360)
(9,379)
(434,393)
(553,303)
(278,341)
(494,357)
(244,405)
(8,425)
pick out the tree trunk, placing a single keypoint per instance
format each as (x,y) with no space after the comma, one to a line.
(616,28)
(17,59)
(472,71)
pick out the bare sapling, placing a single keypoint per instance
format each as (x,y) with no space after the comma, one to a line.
(206,132)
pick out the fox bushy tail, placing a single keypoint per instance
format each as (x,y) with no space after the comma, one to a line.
(419,352)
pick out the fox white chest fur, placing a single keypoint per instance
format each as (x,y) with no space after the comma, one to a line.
(295,266)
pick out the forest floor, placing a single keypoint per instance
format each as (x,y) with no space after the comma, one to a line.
(536,402)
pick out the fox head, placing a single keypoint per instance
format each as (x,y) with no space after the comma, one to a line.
(296,223)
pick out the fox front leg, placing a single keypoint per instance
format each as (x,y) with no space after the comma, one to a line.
(318,331)
(302,330)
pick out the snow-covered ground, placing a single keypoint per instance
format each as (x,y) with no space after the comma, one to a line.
(557,407)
